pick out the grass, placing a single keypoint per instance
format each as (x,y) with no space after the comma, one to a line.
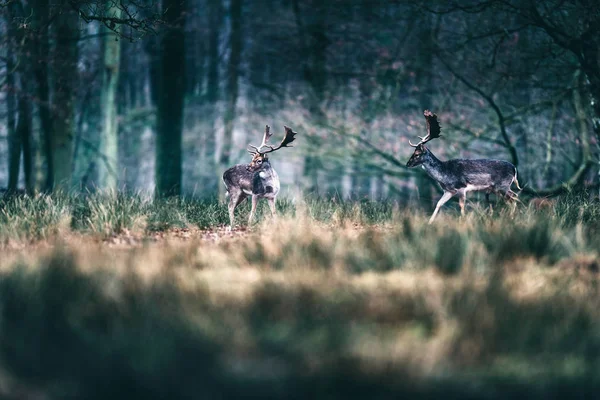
(331,300)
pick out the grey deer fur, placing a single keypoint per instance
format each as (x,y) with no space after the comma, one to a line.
(459,176)
(257,179)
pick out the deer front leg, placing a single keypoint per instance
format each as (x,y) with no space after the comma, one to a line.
(272,207)
(253,209)
(462,198)
(445,197)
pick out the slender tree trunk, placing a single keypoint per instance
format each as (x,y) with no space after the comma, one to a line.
(215,16)
(65,84)
(24,133)
(14,140)
(108,166)
(235,42)
(40,70)
(20,137)
(171,101)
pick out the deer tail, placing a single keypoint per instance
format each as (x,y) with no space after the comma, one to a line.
(516,181)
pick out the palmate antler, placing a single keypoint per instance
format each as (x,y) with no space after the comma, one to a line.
(266,138)
(287,139)
(433,129)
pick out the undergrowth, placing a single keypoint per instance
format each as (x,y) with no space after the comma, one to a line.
(386,237)
(330,299)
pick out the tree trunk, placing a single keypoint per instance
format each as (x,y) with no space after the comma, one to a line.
(590,48)
(215,15)
(316,71)
(24,133)
(65,84)
(107,166)
(171,101)
(14,142)
(19,137)
(40,70)
(314,41)
(235,42)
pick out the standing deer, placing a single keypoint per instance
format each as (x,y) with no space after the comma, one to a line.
(257,179)
(461,176)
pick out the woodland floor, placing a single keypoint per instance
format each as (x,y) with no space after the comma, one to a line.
(123,299)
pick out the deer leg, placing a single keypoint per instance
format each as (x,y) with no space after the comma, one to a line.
(234,200)
(487,200)
(445,197)
(512,198)
(272,207)
(253,209)
(462,198)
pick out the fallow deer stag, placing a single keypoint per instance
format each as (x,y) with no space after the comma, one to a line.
(457,177)
(257,179)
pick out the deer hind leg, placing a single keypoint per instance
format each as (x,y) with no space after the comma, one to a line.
(235,198)
(253,209)
(445,197)
(511,198)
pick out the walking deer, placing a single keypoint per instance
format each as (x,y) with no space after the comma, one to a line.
(257,179)
(457,177)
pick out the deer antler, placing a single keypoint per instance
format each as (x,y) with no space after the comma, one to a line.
(433,129)
(266,138)
(287,139)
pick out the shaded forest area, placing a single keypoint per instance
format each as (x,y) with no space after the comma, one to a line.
(141,95)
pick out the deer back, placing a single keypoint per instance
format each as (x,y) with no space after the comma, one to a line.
(477,174)
(263,181)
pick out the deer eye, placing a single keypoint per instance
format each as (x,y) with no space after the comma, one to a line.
(259,161)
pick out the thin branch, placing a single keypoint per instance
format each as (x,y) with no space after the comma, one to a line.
(501,120)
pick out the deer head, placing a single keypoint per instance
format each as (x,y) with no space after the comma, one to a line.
(260,157)
(433,131)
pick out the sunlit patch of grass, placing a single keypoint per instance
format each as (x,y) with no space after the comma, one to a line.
(205,213)
(33,218)
(109,213)
(327,234)
(165,214)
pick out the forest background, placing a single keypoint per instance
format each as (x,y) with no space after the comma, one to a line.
(140,95)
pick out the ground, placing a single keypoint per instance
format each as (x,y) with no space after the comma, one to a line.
(111,297)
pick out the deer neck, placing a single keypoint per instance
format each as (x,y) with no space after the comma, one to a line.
(433,167)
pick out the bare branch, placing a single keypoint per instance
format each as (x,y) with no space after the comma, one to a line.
(501,119)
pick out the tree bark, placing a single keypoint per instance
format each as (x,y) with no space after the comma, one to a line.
(314,41)
(40,70)
(171,101)
(108,165)
(65,84)
(215,20)
(235,41)
(20,136)
(24,133)
(14,140)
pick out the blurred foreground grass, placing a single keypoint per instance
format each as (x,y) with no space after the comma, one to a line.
(332,300)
